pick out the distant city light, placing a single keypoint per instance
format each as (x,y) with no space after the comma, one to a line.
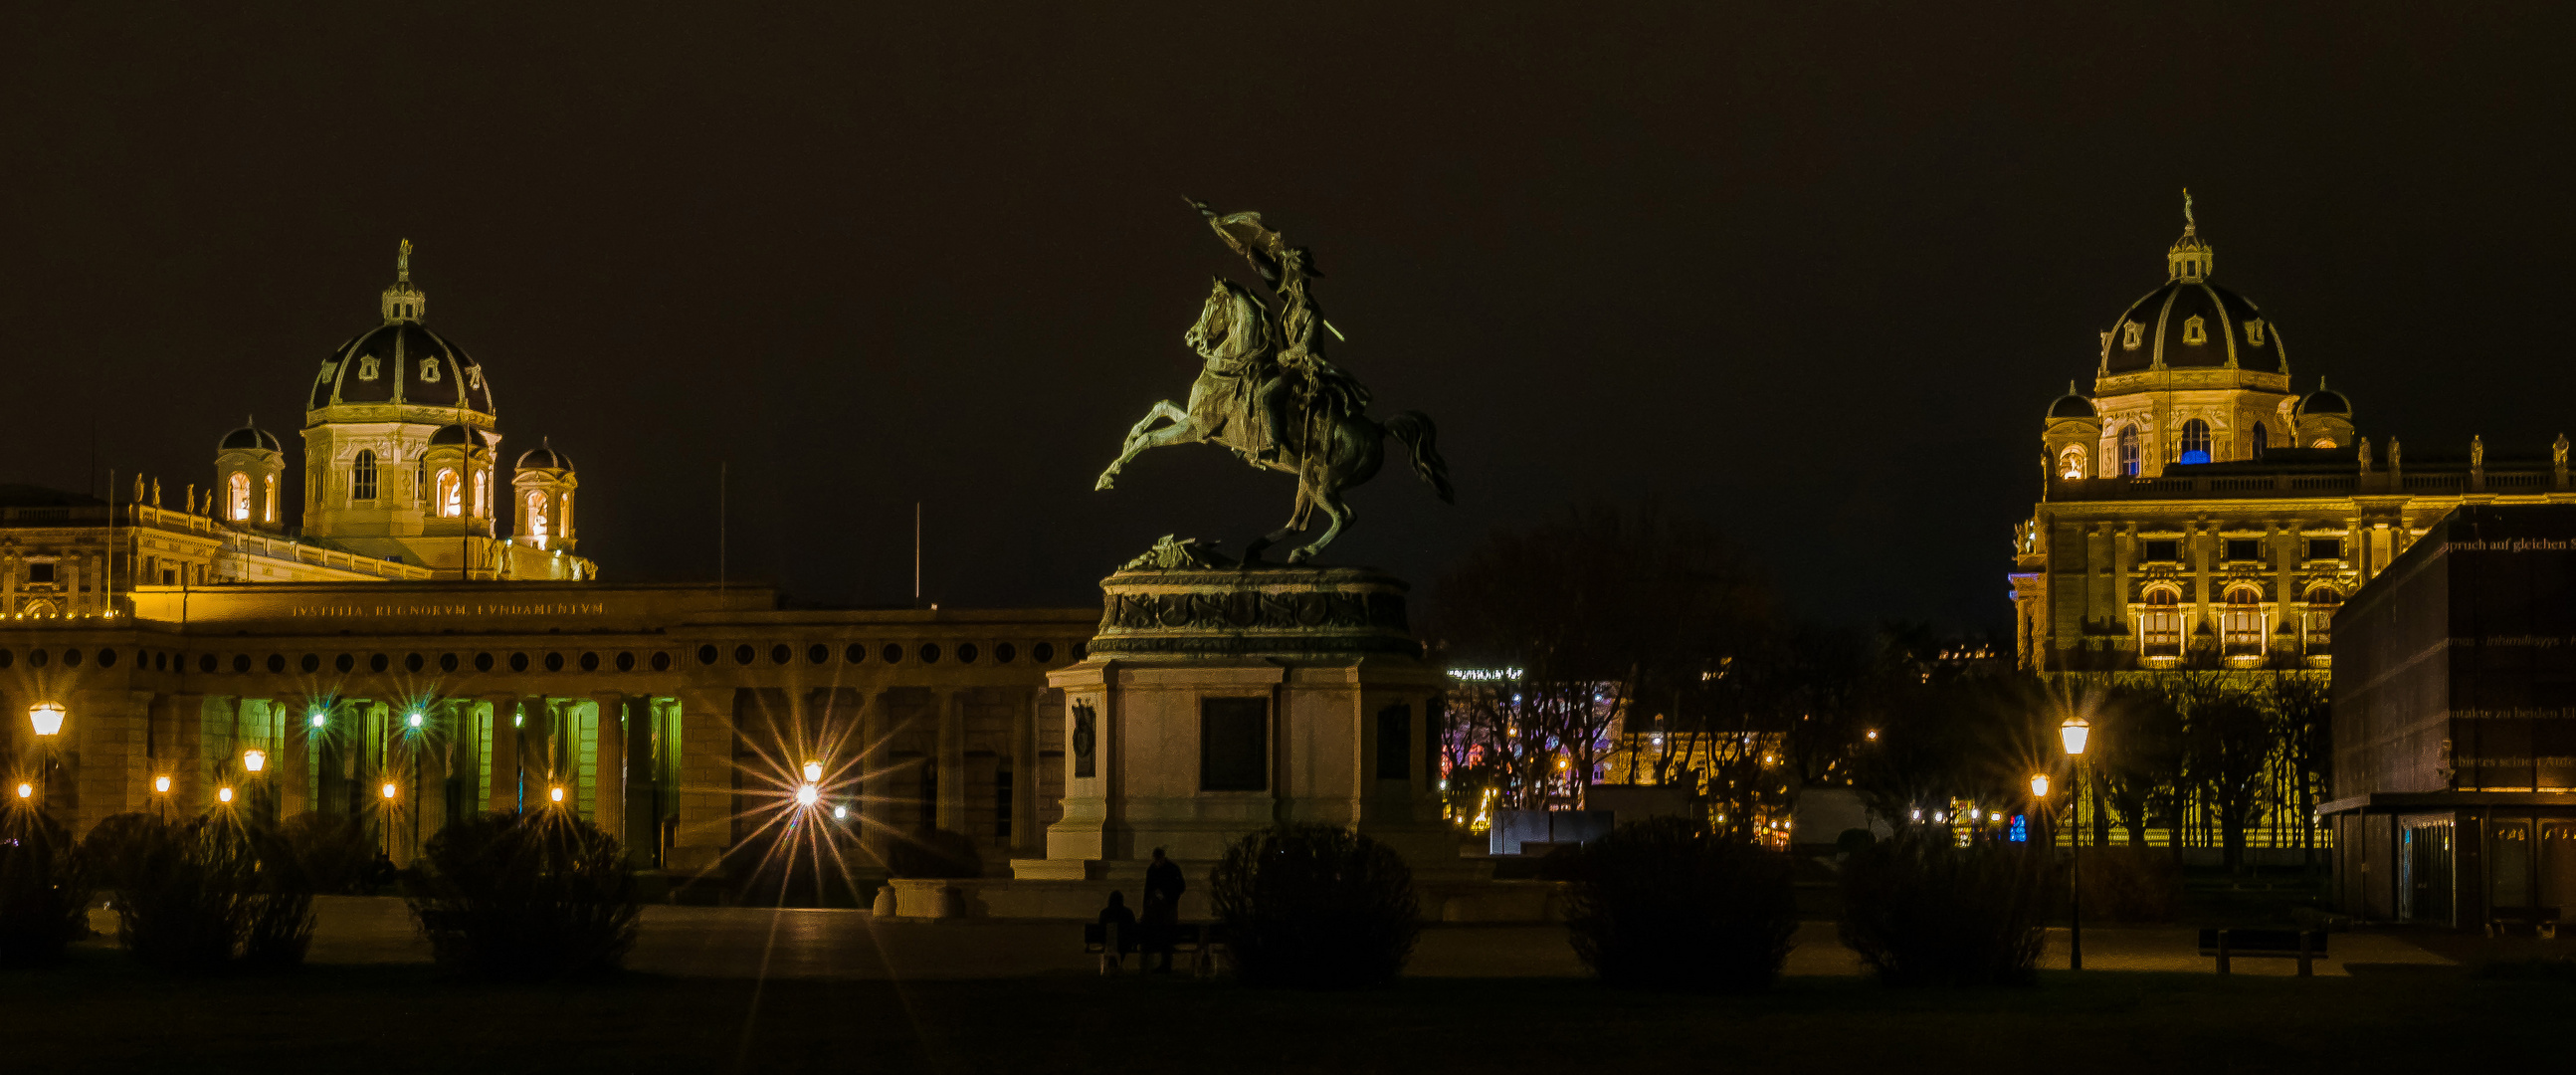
(839,812)
(1484,675)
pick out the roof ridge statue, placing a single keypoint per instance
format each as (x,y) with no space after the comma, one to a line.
(1266,391)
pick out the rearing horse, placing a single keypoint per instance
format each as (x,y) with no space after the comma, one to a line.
(1328,451)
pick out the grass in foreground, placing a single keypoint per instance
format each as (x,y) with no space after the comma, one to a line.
(102,1014)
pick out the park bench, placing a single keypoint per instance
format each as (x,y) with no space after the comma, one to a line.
(2542,921)
(2305,945)
(1202,944)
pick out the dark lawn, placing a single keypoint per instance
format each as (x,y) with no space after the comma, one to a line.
(101,1014)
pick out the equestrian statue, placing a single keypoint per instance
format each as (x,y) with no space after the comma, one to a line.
(1266,391)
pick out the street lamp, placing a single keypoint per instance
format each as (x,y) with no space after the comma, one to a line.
(806,794)
(26,790)
(389,789)
(161,785)
(2039,786)
(2075,732)
(555,793)
(47,717)
(223,795)
(254,760)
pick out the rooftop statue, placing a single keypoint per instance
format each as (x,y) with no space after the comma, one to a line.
(1266,391)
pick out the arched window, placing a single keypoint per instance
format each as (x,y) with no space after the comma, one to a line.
(2195,441)
(237,497)
(2262,440)
(2323,601)
(2160,628)
(536,515)
(268,500)
(482,494)
(2070,465)
(2129,451)
(2240,626)
(564,525)
(451,493)
(362,476)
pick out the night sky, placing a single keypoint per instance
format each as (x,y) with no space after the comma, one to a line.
(1811,271)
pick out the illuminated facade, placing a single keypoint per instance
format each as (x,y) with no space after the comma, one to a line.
(422,622)
(2197,509)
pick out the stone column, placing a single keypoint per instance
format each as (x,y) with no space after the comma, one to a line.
(1026,782)
(294,759)
(641,827)
(542,753)
(609,762)
(164,753)
(504,752)
(102,755)
(951,806)
(875,788)
(706,779)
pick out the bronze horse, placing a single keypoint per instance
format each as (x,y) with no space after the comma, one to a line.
(1328,450)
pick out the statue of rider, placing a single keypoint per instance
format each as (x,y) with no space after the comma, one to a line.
(1299,382)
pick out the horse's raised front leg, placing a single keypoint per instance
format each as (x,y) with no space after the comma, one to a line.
(1143,436)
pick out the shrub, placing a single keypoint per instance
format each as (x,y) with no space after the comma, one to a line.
(1665,904)
(935,853)
(44,897)
(526,896)
(1315,906)
(1921,911)
(2130,884)
(331,852)
(203,894)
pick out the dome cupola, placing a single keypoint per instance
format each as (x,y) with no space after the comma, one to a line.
(2071,405)
(2191,322)
(249,436)
(401,362)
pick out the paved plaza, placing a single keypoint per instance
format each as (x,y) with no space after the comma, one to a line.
(750,942)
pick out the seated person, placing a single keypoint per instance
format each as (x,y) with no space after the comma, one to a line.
(1117,914)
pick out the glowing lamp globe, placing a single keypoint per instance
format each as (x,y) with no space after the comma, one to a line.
(223,795)
(161,785)
(839,812)
(254,760)
(2074,732)
(388,790)
(807,794)
(317,720)
(555,794)
(2039,786)
(414,720)
(47,717)
(813,772)
(26,790)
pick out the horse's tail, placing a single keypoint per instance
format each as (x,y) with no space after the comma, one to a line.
(1414,428)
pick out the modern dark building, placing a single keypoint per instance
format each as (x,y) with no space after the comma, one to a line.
(2455,724)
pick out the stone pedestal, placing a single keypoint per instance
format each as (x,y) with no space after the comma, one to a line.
(1218,700)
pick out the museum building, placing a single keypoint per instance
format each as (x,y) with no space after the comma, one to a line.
(426,642)
(2195,508)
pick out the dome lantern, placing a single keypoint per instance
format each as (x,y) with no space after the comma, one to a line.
(403,301)
(2190,258)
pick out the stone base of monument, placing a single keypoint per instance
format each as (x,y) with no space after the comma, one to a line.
(1217,700)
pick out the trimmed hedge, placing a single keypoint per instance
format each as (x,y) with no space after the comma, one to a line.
(538,895)
(1920,910)
(1315,906)
(1666,904)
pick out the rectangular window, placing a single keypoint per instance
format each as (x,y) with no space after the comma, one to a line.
(41,571)
(2162,633)
(2164,551)
(1234,744)
(2244,549)
(1395,742)
(2325,548)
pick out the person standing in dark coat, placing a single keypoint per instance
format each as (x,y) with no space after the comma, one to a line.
(1163,888)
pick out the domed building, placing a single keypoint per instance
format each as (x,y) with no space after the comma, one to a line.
(2200,510)
(400,444)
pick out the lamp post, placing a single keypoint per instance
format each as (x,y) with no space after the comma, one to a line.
(47,720)
(2073,733)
